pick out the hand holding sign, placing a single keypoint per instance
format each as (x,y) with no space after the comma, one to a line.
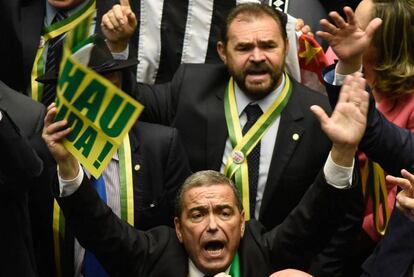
(118,25)
(53,133)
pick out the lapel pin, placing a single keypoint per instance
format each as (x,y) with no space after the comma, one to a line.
(295,137)
(137,167)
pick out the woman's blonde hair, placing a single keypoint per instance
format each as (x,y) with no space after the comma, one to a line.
(394,47)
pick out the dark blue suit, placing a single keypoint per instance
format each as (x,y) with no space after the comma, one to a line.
(393,148)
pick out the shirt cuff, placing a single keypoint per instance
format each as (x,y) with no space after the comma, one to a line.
(338,176)
(68,187)
(121,55)
(339,78)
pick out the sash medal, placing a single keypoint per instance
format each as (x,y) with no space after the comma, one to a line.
(236,166)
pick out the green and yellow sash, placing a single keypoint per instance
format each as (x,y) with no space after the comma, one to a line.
(374,187)
(235,267)
(49,33)
(236,166)
(126,200)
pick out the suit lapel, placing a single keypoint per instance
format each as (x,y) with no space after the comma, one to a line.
(216,128)
(291,124)
(136,161)
(32,23)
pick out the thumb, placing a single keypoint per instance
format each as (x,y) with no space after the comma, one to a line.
(124,3)
(320,114)
(373,26)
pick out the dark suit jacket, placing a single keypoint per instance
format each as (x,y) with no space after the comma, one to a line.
(193,103)
(394,255)
(20,169)
(22,23)
(163,168)
(127,252)
(392,147)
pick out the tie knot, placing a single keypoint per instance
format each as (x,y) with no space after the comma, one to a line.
(59,16)
(253,112)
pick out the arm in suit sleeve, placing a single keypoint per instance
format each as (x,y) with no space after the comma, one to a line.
(384,142)
(121,249)
(331,261)
(18,160)
(177,169)
(308,228)
(394,255)
(160,100)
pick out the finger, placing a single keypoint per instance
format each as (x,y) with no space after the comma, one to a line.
(401,182)
(56,127)
(373,26)
(325,36)
(407,212)
(132,20)
(52,105)
(106,23)
(345,90)
(306,30)
(328,26)
(337,19)
(320,114)
(405,201)
(59,135)
(114,20)
(50,116)
(124,3)
(407,175)
(118,12)
(299,24)
(350,16)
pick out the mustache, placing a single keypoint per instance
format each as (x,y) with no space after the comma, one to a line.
(257,68)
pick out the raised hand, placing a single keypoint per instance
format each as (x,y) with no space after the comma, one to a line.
(347,39)
(346,126)
(405,198)
(118,25)
(52,134)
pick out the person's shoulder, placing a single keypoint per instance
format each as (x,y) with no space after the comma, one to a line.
(21,108)
(309,95)
(153,134)
(204,67)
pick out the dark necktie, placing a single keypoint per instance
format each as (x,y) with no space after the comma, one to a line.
(52,61)
(253,112)
(91,266)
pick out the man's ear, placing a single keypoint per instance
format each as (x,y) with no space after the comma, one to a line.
(242,224)
(221,50)
(177,225)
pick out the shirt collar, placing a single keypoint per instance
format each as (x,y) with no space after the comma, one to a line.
(193,271)
(51,11)
(243,100)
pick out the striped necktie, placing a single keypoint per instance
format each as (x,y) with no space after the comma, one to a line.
(53,58)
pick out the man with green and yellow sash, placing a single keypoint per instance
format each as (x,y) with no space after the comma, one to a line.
(211,235)
(275,161)
(32,39)
(139,183)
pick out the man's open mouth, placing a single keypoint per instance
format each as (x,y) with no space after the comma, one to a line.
(214,248)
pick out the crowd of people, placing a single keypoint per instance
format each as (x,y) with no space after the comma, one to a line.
(234,167)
